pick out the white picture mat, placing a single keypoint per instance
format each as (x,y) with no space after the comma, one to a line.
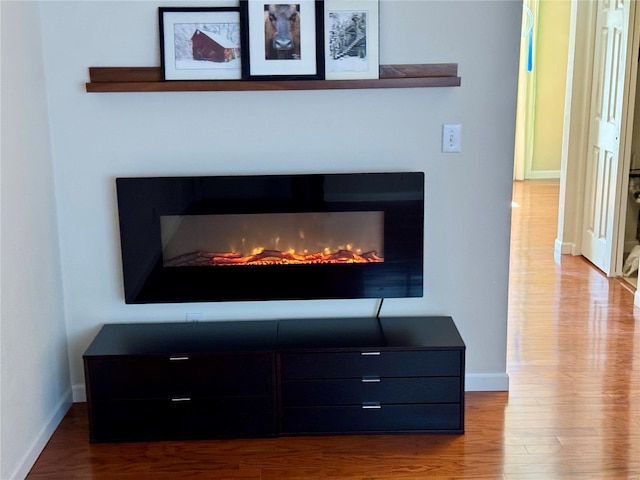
(306,65)
(369,67)
(199,69)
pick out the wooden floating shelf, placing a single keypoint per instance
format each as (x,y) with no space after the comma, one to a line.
(149,79)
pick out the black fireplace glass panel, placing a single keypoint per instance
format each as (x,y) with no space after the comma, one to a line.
(370,226)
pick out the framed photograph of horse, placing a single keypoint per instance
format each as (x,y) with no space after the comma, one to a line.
(282,41)
(351,39)
(200,43)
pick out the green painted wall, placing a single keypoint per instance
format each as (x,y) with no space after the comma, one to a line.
(552,45)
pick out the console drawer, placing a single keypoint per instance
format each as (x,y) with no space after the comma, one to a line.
(386,418)
(165,376)
(164,419)
(383,390)
(375,364)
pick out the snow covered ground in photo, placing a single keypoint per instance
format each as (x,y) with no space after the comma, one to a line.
(191,64)
(348,64)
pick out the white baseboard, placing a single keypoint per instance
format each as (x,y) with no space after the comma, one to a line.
(79,393)
(562,248)
(543,174)
(636,299)
(35,449)
(486,382)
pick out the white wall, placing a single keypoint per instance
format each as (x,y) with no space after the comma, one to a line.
(62,149)
(36,390)
(97,137)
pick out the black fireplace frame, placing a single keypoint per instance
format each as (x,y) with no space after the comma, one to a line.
(143,200)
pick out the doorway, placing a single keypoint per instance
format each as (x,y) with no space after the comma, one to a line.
(632,217)
(584,85)
(541,89)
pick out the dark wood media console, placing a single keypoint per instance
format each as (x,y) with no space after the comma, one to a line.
(166,381)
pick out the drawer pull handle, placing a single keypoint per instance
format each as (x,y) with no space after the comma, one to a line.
(178,359)
(370,379)
(369,353)
(371,406)
(180,399)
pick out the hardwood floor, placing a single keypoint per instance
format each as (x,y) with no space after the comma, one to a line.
(572,412)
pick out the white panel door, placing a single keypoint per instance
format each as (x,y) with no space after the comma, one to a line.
(601,216)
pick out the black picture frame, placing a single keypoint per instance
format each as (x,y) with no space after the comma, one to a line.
(303,60)
(213,32)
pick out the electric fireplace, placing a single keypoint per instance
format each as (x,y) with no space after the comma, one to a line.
(271,237)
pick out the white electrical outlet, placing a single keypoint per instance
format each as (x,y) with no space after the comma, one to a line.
(195,317)
(451,138)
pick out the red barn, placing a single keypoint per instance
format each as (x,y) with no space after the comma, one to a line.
(213,47)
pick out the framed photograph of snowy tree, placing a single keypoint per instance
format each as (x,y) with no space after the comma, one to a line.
(200,43)
(351,39)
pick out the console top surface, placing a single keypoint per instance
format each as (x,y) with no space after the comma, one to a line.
(183,337)
(401,333)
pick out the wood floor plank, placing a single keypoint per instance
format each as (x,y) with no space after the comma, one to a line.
(572,412)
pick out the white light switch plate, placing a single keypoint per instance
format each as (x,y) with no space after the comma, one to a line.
(451,138)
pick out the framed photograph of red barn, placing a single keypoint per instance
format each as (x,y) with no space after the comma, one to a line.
(200,43)
(282,41)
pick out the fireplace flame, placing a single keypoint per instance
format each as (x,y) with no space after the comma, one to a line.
(263,256)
